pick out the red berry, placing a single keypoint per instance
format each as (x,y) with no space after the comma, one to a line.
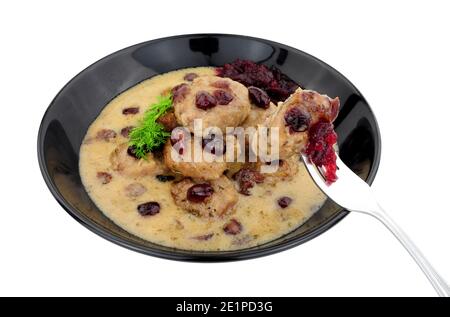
(131,151)
(104,177)
(190,76)
(233,227)
(199,192)
(149,209)
(125,132)
(106,134)
(131,110)
(259,97)
(179,92)
(277,85)
(285,201)
(204,100)
(320,150)
(223,97)
(297,120)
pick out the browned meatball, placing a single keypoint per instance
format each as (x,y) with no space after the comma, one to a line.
(218,197)
(189,168)
(259,116)
(219,102)
(124,163)
(294,117)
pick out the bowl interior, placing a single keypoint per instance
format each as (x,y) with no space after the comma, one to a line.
(82,99)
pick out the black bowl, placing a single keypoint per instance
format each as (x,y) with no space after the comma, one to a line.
(83,98)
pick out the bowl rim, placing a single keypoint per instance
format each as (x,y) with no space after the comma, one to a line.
(200,256)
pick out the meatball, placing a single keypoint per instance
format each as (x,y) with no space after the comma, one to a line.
(222,199)
(211,169)
(124,163)
(294,117)
(259,116)
(219,102)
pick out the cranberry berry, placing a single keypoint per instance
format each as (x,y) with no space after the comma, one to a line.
(131,110)
(233,227)
(321,139)
(131,151)
(204,100)
(165,178)
(284,202)
(106,134)
(199,192)
(179,92)
(258,97)
(104,177)
(276,84)
(125,132)
(190,76)
(223,97)
(297,120)
(148,209)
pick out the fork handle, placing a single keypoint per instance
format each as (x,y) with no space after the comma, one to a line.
(435,279)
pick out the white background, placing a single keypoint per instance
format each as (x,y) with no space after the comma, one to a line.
(396,53)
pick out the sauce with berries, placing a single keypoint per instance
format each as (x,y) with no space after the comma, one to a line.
(143,205)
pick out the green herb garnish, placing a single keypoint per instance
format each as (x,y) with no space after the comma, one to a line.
(150,134)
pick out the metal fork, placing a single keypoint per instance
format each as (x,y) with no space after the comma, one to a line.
(353,194)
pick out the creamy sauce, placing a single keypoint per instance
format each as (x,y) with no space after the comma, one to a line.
(261,217)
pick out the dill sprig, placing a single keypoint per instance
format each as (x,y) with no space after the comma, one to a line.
(150,134)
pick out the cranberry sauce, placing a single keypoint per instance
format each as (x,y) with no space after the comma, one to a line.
(277,85)
(320,148)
